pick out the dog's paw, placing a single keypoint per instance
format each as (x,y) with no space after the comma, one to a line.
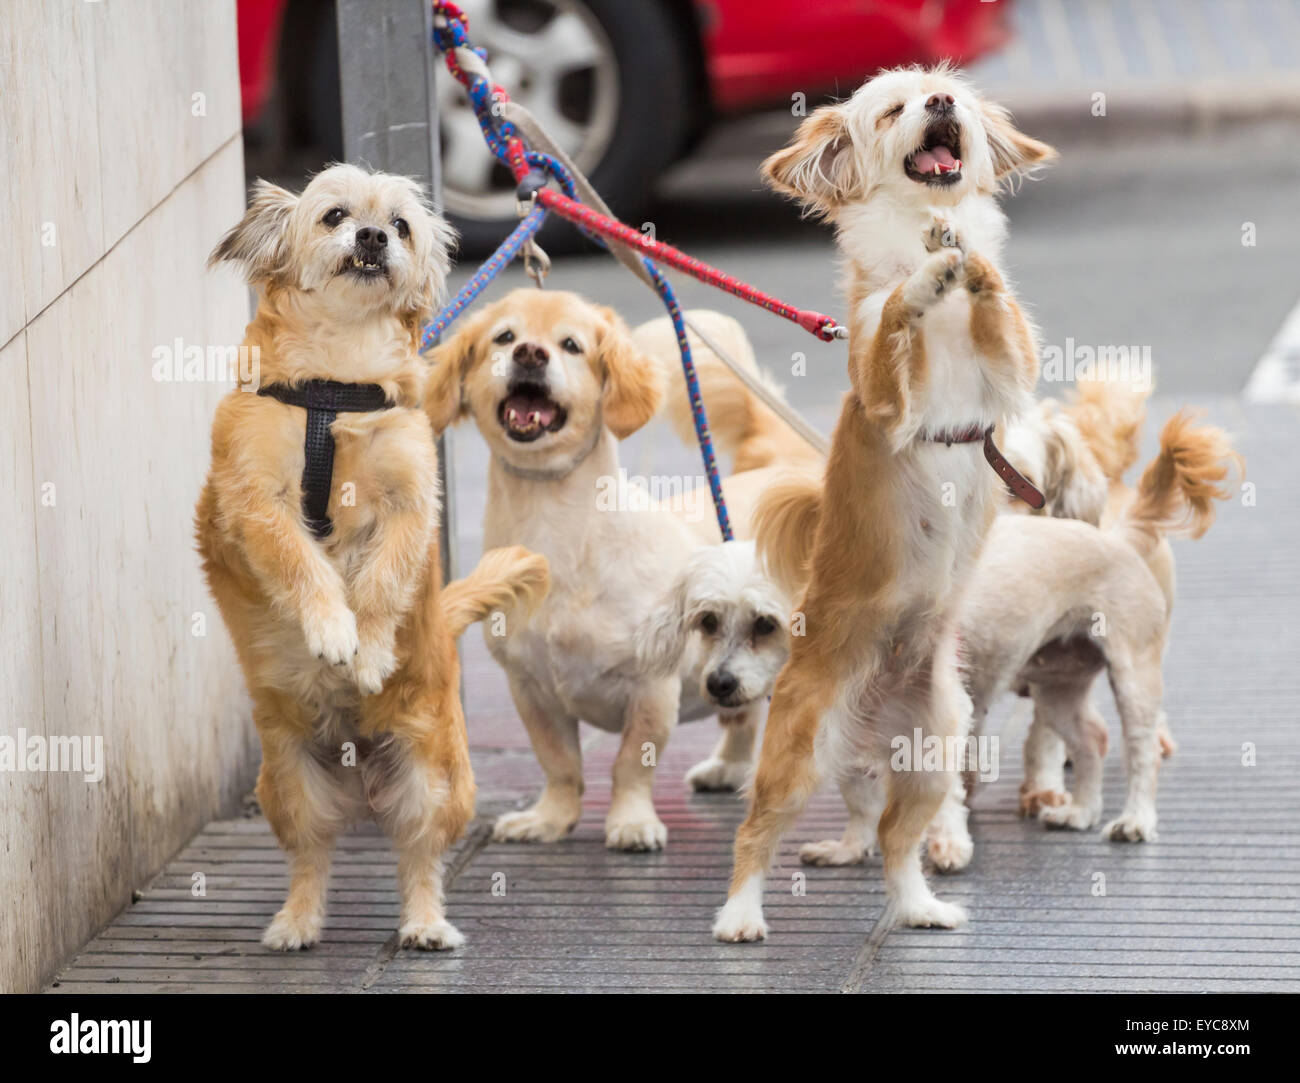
(375,663)
(951,851)
(635,834)
(941,233)
(1132,827)
(289,931)
(1069,815)
(927,912)
(717,774)
(938,276)
(332,636)
(439,935)
(834,852)
(1033,801)
(530,825)
(740,921)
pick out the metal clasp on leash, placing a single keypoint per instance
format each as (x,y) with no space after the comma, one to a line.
(537,264)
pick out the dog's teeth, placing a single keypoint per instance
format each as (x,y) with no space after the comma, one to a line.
(534,418)
(957,167)
(937,170)
(512,415)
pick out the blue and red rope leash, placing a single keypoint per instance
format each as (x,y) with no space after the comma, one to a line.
(531,170)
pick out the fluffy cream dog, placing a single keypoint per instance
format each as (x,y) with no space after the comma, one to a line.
(724,625)
(939,353)
(553,382)
(1051,604)
(343,630)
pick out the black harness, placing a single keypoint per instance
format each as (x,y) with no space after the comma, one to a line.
(323,400)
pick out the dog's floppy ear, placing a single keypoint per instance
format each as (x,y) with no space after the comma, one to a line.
(257,242)
(444,391)
(818,166)
(634,382)
(661,635)
(1012,151)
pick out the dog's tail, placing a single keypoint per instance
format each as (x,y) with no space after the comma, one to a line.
(504,578)
(1177,490)
(785,523)
(741,423)
(1109,415)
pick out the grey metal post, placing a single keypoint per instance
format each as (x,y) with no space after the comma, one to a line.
(386,73)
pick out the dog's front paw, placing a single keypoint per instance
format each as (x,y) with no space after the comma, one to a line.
(374,665)
(941,233)
(717,774)
(290,931)
(635,833)
(438,935)
(740,921)
(1132,827)
(332,636)
(1033,801)
(1069,815)
(834,852)
(530,825)
(951,851)
(938,276)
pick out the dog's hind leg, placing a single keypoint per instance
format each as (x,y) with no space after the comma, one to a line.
(1138,686)
(632,823)
(914,798)
(864,796)
(306,808)
(554,736)
(785,779)
(729,765)
(949,843)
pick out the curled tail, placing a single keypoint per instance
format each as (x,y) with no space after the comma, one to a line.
(504,578)
(1177,490)
(785,523)
(1109,415)
(742,424)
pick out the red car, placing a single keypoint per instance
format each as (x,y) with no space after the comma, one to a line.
(626,86)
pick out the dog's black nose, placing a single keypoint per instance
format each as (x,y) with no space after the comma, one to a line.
(530,356)
(371,239)
(939,103)
(721,685)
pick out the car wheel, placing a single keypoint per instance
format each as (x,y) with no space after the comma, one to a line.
(607,79)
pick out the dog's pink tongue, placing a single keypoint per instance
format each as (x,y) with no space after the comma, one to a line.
(531,411)
(940,156)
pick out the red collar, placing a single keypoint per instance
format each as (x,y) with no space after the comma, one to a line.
(1019,485)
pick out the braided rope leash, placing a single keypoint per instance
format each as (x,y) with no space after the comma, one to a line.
(531,171)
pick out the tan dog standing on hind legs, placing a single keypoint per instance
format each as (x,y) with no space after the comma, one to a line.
(335,605)
(939,353)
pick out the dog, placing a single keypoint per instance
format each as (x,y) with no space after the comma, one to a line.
(939,353)
(553,382)
(1030,619)
(725,627)
(343,630)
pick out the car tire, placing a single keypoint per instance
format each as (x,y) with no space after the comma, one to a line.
(652,123)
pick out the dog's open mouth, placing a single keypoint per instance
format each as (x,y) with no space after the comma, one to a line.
(528,411)
(937,161)
(364,265)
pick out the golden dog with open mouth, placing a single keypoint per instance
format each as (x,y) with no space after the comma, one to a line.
(329,579)
(939,354)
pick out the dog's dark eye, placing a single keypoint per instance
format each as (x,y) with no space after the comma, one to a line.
(764,626)
(709,623)
(505,336)
(402,227)
(334,217)
(570,346)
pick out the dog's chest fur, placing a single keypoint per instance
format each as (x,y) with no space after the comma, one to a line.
(609,568)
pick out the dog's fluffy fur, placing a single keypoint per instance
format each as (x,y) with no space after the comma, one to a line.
(1032,618)
(347,644)
(937,343)
(552,383)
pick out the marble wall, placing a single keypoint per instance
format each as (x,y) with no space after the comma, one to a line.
(120,134)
